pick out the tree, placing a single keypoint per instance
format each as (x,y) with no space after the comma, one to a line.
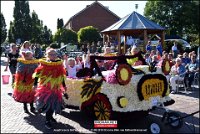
(3,29)
(37,27)
(88,34)
(10,33)
(60,23)
(69,36)
(181,17)
(40,34)
(65,36)
(22,21)
(46,35)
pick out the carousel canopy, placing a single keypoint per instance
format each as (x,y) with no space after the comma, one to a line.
(133,21)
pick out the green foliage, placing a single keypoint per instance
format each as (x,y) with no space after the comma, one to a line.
(88,34)
(181,17)
(10,33)
(3,29)
(22,21)
(43,47)
(69,36)
(60,23)
(65,35)
(54,45)
(40,34)
(28,27)
(36,28)
(46,35)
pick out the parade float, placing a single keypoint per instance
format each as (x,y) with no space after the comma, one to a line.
(122,90)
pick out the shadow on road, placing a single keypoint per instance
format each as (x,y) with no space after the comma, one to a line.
(194,92)
(137,125)
(38,122)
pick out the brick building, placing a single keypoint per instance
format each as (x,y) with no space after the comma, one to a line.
(95,15)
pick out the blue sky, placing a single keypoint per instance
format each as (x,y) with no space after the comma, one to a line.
(50,11)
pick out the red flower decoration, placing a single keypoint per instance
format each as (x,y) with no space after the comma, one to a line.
(123,74)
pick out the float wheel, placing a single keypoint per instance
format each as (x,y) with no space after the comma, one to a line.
(154,128)
(174,116)
(102,109)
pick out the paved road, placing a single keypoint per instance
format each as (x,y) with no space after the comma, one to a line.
(14,120)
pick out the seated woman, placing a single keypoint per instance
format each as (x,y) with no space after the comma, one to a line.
(177,71)
(192,68)
(108,64)
(135,61)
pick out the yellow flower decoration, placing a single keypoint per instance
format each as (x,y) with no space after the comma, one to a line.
(34,61)
(43,61)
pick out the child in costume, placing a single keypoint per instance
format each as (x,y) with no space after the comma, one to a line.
(51,76)
(23,91)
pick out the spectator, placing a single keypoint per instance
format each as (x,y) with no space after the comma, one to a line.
(185,60)
(25,47)
(65,59)
(148,47)
(175,50)
(107,51)
(12,61)
(86,60)
(164,57)
(154,61)
(153,52)
(100,64)
(159,47)
(163,53)
(170,58)
(158,55)
(192,68)
(72,68)
(134,61)
(191,54)
(177,71)
(147,58)
(38,51)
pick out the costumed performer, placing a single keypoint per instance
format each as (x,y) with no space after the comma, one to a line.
(23,91)
(50,76)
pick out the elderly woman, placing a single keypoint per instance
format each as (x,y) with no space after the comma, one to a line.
(177,71)
(135,61)
(192,68)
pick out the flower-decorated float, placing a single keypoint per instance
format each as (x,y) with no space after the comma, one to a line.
(124,89)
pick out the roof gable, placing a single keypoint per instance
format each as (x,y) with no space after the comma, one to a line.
(89,6)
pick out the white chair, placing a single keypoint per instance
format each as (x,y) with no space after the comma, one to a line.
(180,83)
(196,80)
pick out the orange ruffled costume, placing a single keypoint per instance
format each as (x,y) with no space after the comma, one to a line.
(49,91)
(23,91)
